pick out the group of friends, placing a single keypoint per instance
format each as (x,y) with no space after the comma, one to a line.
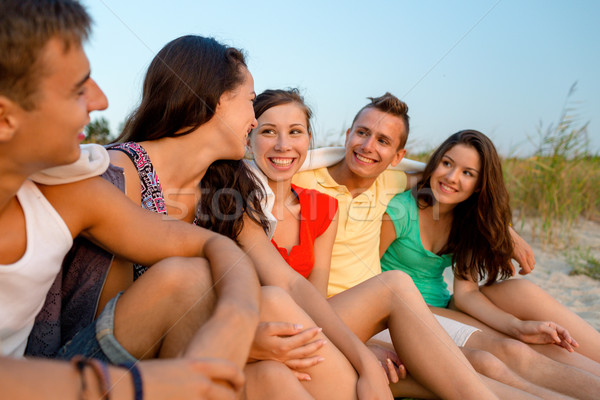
(208,253)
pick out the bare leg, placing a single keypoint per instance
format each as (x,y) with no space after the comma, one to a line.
(160,313)
(508,392)
(334,378)
(392,301)
(526,300)
(537,368)
(492,367)
(274,381)
(549,350)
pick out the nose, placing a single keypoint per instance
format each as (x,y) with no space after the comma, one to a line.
(283,143)
(452,175)
(368,144)
(96,98)
(254,123)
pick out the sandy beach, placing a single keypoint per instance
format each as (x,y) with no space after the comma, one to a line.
(580,293)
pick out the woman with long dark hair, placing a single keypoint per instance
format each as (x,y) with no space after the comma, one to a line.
(459,215)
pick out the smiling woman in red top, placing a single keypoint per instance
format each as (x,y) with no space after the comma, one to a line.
(306,219)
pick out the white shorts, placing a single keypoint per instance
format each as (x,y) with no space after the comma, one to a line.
(458,331)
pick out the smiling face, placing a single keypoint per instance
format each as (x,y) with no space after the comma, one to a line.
(65,97)
(235,115)
(281,141)
(372,143)
(457,175)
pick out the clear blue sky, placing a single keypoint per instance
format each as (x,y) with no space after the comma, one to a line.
(501,67)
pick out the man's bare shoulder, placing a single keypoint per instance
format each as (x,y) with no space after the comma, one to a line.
(82,203)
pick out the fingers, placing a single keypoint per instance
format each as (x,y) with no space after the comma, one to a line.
(304,351)
(391,371)
(565,338)
(304,363)
(272,328)
(303,340)
(564,334)
(222,370)
(401,371)
(302,376)
(550,328)
(216,391)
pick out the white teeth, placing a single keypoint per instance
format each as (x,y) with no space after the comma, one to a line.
(447,188)
(364,159)
(282,162)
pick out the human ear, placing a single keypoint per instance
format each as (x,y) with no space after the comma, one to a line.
(249,143)
(398,157)
(9,122)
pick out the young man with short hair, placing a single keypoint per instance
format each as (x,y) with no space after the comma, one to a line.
(363,186)
(46,95)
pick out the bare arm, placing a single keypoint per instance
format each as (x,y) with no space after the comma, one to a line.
(319,276)
(388,234)
(273,270)
(164,379)
(469,299)
(522,252)
(100,212)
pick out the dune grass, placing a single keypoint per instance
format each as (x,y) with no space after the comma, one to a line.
(556,187)
(559,183)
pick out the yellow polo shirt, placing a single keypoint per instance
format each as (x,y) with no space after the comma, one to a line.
(355,255)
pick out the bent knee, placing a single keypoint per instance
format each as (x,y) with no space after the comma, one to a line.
(514,349)
(485,363)
(277,305)
(398,281)
(272,295)
(180,275)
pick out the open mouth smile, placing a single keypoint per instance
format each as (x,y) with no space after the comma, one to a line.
(281,162)
(364,159)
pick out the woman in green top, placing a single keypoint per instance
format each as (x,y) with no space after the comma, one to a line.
(458,214)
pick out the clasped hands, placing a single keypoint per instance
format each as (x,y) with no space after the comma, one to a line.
(288,343)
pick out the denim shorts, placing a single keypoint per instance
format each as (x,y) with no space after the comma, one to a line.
(97,340)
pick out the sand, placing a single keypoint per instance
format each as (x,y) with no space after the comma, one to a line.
(580,293)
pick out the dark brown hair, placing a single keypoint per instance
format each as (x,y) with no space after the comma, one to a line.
(275,97)
(389,104)
(479,240)
(26,26)
(182,88)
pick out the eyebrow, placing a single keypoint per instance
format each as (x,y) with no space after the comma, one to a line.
(389,139)
(451,159)
(364,128)
(82,82)
(270,124)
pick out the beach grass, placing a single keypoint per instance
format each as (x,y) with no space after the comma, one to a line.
(556,187)
(560,183)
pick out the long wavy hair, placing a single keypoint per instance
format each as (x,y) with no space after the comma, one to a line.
(479,240)
(182,88)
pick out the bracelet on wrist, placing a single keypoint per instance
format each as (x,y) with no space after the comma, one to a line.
(137,379)
(100,371)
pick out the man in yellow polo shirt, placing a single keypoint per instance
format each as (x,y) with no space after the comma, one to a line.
(363,188)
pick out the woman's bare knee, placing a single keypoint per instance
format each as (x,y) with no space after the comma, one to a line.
(486,363)
(397,283)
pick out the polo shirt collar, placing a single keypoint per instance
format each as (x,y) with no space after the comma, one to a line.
(324,179)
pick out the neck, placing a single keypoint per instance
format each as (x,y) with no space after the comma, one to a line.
(282,191)
(11,180)
(344,176)
(180,161)
(441,212)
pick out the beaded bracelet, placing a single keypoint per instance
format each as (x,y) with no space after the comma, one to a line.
(137,379)
(100,370)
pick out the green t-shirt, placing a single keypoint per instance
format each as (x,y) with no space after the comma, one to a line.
(407,254)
